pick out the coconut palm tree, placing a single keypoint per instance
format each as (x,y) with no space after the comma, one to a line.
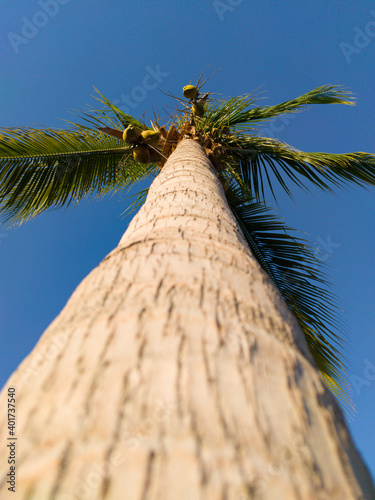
(200,358)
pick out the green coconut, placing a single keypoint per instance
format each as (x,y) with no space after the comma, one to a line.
(155,156)
(131,134)
(151,137)
(190,91)
(141,154)
(224,182)
(197,109)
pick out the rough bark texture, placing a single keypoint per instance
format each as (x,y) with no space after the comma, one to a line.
(176,371)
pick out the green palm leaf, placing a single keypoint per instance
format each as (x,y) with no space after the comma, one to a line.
(109,116)
(44,169)
(234,112)
(225,113)
(327,94)
(258,157)
(298,275)
(262,161)
(140,198)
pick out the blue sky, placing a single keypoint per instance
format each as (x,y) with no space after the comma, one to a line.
(54,53)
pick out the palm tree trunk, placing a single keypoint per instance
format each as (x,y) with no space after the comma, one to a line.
(176,371)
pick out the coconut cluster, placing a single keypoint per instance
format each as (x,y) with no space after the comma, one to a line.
(145,143)
(155,146)
(197,105)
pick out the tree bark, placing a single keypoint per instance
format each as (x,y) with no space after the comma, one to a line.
(176,371)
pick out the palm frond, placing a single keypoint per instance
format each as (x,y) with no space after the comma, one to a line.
(297,273)
(109,116)
(45,169)
(225,113)
(258,157)
(140,198)
(238,114)
(327,94)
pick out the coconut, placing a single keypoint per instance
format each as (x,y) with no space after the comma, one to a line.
(190,91)
(151,137)
(197,109)
(224,182)
(141,154)
(131,134)
(155,156)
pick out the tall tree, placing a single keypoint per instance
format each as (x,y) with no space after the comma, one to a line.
(186,365)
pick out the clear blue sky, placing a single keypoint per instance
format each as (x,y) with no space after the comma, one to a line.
(52,54)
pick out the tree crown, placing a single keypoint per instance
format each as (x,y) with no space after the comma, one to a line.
(44,169)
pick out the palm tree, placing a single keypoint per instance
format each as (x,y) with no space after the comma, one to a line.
(200,358)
